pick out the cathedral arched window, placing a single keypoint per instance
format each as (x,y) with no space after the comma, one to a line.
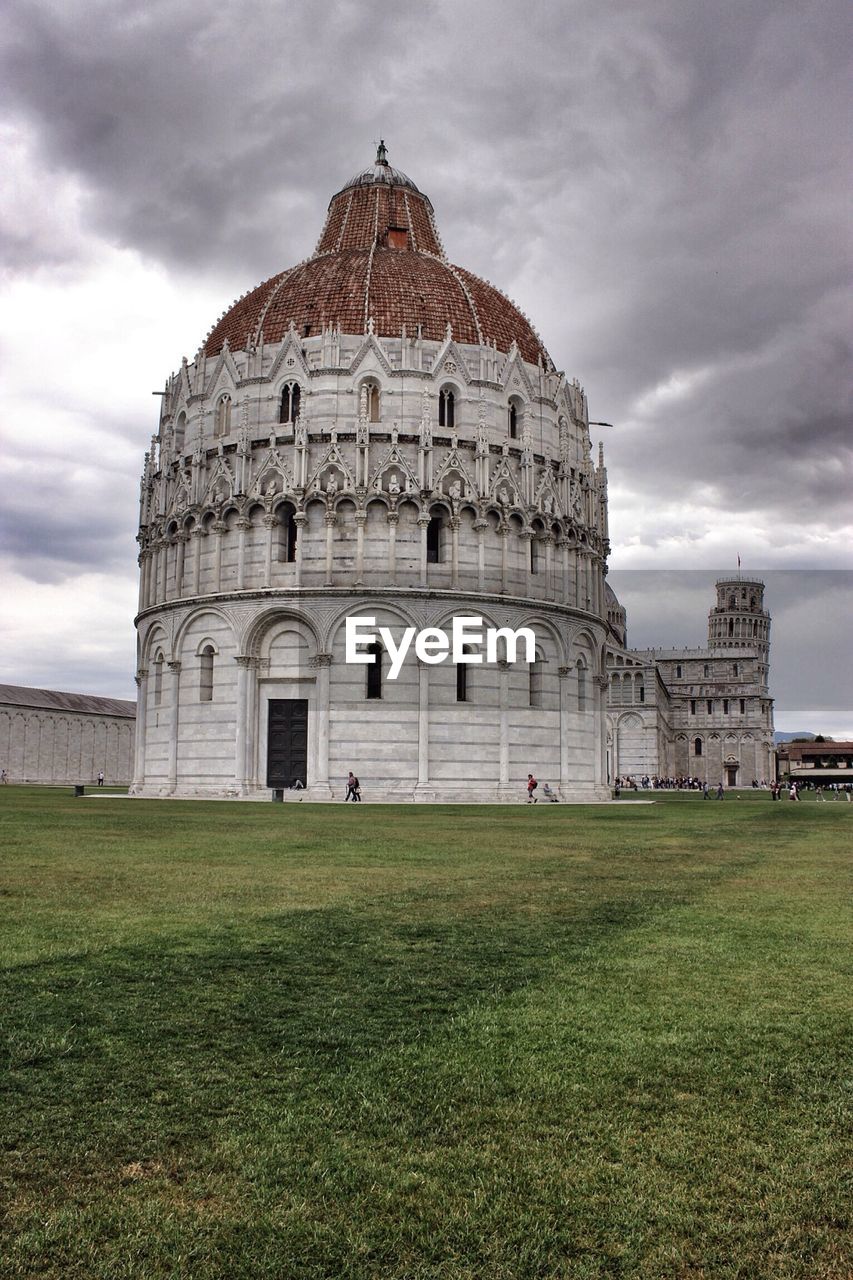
(180,430)
(291,397)
(158,679)
(735,670)
(705,670)
(731,626)
(534,554)
(288,533)
(447,408)
(435,540)
(222,421)
(513,422)
(373,685)
(697,746)
(205,674)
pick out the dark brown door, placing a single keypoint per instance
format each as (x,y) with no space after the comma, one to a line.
(287,742)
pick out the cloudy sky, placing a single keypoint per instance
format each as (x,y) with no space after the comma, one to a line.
(663,186)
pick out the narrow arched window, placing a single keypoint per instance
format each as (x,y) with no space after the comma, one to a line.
(735,670)
(291,397)
(447,408)
(158,680)
(435,540)
(371,391)
(180,430)
(534,554)
(373,688)
(697,747)
(223,415)
(534,683)
(513,422)
(705,670)
(462,688)
(288,533)
(581,670)
(731,627)
(205,675)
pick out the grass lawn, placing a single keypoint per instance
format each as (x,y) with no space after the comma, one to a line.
(263,1042)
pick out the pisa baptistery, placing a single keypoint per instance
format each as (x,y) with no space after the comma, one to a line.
(373,439)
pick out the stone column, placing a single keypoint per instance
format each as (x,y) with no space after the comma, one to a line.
(162,570)
(423,724)
(174,724)
(197,535)
(548,540)
(503,532)
(565,689)
(141,728)
(143,580)
(270,524)
(423,525)
(251,722)
(503,676)
(321,782)
(331,521)
(527,537)
(360,522)
(243,524)
(241,727)
(182,539)
(600,685)
(300,520)
(480,527)
(454,551)
(218,528)
(393,521)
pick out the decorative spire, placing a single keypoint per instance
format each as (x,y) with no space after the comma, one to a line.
(381,152)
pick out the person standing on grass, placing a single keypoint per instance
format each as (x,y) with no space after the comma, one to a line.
(532,784)
(720,792)
(4,777)
(100,777)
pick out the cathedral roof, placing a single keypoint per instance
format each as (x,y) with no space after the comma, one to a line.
(379,258)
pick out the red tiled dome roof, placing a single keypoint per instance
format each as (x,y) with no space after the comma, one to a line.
(379,258)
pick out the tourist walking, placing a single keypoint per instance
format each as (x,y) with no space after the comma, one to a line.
(720,792)
(100,777)
(532,784)
(4,777)
(353,788)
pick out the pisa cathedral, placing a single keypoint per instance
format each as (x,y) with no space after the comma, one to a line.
(378,433)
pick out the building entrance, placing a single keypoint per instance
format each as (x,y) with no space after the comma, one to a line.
(731,775)
(287,742)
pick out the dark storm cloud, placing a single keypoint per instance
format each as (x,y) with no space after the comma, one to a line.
(205,134)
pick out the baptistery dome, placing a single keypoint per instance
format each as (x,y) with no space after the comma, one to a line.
(379,258)
(372,434)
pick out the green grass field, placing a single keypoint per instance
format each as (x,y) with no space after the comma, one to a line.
(263,1042)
